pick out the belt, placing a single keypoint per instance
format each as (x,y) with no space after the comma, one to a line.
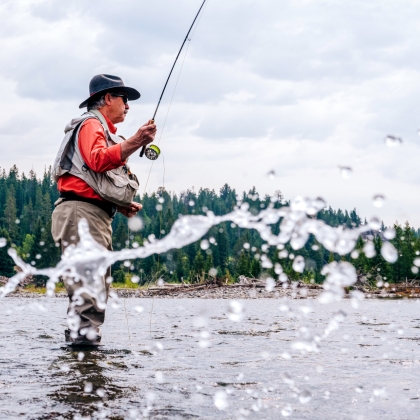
(109,208)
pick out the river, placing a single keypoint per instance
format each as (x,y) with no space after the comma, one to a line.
(187,358)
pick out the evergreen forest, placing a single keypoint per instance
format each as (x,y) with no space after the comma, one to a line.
(26,205)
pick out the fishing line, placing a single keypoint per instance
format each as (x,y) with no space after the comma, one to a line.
(160,235)
(172,97)
(156,151)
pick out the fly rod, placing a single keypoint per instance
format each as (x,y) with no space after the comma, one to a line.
(153,151)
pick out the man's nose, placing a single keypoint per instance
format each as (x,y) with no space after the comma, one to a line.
(127,106)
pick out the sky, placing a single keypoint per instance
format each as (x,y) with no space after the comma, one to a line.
(298,87)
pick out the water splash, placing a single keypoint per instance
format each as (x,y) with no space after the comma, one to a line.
(88,261)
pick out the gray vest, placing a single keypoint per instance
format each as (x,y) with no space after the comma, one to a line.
(118,186)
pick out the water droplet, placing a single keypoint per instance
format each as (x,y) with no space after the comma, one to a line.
(100,392)
(88,387)
(375,223)
(204,244)
(378,200)
(271,174)
(369,249)
(220,400)
(3,242)
(159,377)
(389,233)
(65,368)
(393,141)
(299,264)
(213,272)
(388,252)
(287,411)
(235,312)
(135,224)
(346,171)
(305,397)
(270,284)
(379,392)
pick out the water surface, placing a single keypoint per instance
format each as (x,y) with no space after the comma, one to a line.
(154,363)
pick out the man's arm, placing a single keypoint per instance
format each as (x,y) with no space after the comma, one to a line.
(144,136)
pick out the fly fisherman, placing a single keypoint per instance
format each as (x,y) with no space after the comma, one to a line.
(95,182)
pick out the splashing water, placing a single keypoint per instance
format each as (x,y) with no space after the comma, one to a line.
(87,263)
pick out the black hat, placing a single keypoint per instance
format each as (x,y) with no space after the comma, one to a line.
(105,82)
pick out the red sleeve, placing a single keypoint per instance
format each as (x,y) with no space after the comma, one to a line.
(93,147)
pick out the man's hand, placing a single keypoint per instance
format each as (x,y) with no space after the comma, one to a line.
(144,136)
(131,210)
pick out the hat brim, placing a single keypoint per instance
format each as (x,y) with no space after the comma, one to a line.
(132,94)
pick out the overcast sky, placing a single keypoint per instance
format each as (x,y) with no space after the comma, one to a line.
(300,87)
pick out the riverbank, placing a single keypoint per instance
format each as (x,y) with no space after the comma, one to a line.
(236,291)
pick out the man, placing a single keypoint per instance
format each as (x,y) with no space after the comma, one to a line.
(94,182)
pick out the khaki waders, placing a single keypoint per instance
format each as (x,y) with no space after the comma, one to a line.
(65,219)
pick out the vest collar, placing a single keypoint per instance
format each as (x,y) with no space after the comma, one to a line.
(104,121)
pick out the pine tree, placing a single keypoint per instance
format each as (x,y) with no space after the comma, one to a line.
(223,245)
(255,268)
(10,215)
(243,267)
(6,262)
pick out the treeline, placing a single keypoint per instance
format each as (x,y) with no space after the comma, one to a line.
(26,204)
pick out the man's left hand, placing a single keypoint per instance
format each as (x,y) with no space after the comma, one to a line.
(131,210)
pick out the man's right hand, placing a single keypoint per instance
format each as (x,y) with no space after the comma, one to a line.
(144,136)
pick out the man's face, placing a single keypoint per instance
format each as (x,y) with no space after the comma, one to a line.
(117,106)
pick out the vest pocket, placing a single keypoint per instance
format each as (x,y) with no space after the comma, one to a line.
(118,187)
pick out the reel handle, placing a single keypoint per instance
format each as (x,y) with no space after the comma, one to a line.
(143,149)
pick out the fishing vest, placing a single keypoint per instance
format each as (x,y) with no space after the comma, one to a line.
(118,186)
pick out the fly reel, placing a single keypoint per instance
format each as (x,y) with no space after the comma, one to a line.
(152,152)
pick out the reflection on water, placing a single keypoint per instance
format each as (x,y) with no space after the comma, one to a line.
(188,359)
(84,383)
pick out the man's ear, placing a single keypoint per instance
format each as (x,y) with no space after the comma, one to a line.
(107,98)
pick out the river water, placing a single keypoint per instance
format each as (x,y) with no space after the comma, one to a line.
(184,359)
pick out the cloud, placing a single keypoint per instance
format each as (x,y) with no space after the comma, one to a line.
(300,86)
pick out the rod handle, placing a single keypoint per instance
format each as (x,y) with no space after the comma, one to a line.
(143,149)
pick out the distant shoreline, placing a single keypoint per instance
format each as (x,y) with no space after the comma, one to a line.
(237,292)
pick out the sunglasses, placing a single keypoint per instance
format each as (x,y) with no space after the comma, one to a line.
(121,95)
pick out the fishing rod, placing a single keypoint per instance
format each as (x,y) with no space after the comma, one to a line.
(152,152)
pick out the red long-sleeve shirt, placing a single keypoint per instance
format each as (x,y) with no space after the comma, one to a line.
(96,154)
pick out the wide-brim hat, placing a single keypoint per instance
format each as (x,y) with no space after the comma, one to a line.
(107,83)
